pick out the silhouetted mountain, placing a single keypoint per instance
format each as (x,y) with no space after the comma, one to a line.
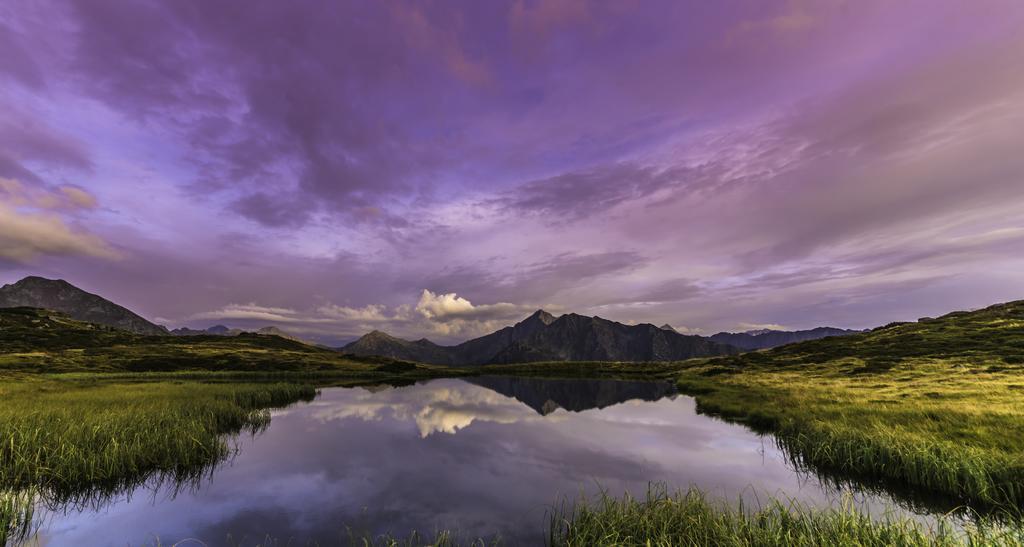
(384,345)
(542,337)
(574,337)
(766,338)
(479,351)
(546,396)
(59,295)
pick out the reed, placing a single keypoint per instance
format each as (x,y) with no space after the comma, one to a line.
(63,437)
(689,518)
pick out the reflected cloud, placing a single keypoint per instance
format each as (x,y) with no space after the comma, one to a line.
(433,407)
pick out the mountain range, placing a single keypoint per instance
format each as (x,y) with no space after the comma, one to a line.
(543,337)
(539,337)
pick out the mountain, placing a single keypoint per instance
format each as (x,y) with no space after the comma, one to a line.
(574,337)
(59,295)
(483,350)
(767,338)
(542,337)
(381,344)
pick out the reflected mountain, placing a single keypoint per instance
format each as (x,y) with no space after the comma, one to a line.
(575,395)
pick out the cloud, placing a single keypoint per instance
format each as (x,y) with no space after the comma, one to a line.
(31,225)
(446,307)
(255,312)
(444,315)
(743,327)
(433,407)
(368,313)
(25,236)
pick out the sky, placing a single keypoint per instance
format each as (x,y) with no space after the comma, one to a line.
(441,169)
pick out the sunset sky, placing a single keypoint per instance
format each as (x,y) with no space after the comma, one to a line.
(444,168)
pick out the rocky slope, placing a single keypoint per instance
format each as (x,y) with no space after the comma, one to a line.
(59,295)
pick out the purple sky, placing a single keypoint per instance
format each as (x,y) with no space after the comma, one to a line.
(443,168)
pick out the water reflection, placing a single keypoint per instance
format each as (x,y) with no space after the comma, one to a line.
(575,395)
(485,458)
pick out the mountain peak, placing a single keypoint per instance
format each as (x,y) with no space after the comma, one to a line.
(31,280)
(543,317)
(666,326)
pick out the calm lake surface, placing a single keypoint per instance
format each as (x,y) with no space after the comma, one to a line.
(484,457)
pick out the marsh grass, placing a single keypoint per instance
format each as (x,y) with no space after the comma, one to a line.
(689,518)
(64,437)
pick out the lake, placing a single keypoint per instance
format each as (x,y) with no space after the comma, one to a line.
(484,457)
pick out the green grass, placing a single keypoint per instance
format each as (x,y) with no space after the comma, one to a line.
(77,441)
(934,407)
(689,518)
(64,436)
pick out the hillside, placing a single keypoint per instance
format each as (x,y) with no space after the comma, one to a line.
(37,340)
(768,338)
(993,335)
(542,337)
(59,295)
(933,406)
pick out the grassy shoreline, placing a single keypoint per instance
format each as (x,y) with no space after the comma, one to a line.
(690,518)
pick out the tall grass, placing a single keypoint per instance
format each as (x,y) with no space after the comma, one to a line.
(64,436)
(78,442)
(935,428)
(689,518)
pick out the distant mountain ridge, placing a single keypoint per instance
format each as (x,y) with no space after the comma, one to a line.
(221,330)
(767,338)
(539,337)
(543,337)
(59,295)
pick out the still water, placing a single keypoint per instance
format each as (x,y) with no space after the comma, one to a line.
(487,457)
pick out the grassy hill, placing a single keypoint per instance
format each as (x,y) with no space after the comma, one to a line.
(37,340)
(936,406)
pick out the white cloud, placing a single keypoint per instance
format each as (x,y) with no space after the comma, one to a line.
(437,407)
(443,307)
(369,313)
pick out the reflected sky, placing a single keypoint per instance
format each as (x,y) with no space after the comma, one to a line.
(450,454)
